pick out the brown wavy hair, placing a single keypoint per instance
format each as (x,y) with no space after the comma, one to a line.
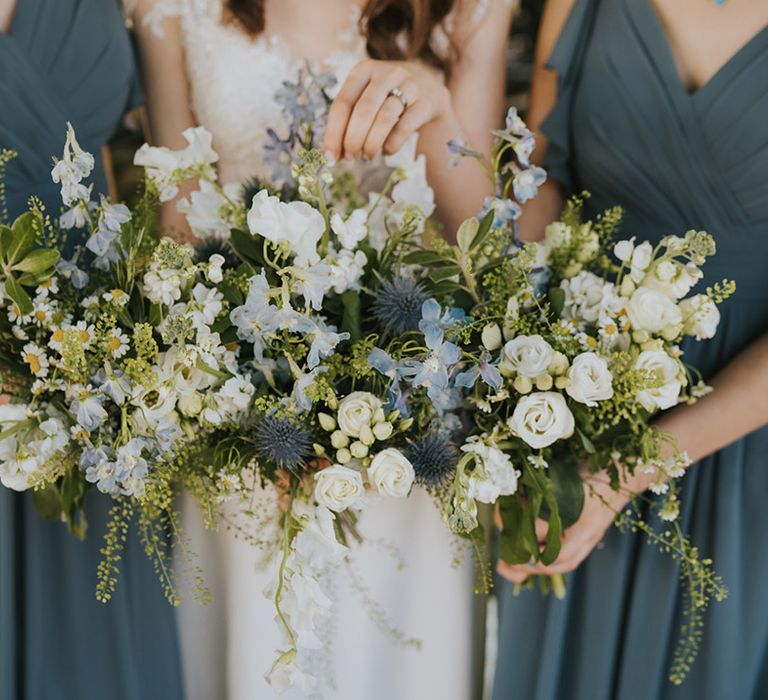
(382,23)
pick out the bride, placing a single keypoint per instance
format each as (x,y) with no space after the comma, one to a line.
(429,67)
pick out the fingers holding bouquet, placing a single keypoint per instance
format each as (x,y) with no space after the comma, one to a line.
(380,105)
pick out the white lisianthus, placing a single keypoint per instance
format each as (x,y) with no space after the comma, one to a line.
(338,488)
(668,370)
(296,224)
(672,278)
(527,355)
(391,473)
(494,474)
(357,413)
(353,230)
(541,419)
(652,311)
(700,316)
(590,380)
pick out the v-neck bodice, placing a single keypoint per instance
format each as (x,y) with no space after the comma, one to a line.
(625,129)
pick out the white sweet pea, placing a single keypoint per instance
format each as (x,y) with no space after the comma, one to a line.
(668,370)
(700,316)
(527,355)
(338,488)
(590,380)
(357,412)
(353,230)
(295,224)
(313,282)
(391,473)
(204,211)
(641,259)
(623,250)
(214,272)
(347,269)
(672,278)
(494,474)
(163,286)
(541,419)
(652,311)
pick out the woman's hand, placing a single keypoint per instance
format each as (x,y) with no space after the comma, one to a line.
(380,105)
(601,504)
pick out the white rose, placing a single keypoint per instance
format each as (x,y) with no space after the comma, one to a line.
(338,488)
(493,476)
(557,234)
(668,370)
(652,311)
(356,412)
(700,316)
(590,379)
(528,355)
(541,419)
(391,473)
(297,224)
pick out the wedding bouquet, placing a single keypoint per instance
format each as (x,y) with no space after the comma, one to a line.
(581,346)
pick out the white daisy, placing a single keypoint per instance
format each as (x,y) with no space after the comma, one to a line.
(35,357)
(116,343)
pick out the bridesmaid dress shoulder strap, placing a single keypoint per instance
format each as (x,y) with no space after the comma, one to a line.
(566,60)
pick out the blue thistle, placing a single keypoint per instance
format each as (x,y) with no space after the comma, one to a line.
(433,458)
(282,442)
(398,305)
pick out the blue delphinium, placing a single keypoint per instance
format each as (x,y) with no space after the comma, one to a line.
(526,183)
(385,364)
(459,149)
(434,322)
(505,211)
(485,370)
(398,305)
(278,154)
(518,135)
(433,372)
(433,458)
(282,442)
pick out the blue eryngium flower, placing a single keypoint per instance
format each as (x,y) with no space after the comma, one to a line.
(434,322)
(398,305)
(433,458)
(282,442)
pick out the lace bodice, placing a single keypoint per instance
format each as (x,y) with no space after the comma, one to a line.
(233,79)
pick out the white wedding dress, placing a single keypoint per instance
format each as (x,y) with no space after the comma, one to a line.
(228,645)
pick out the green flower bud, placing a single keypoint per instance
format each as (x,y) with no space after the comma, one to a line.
(339,439)
(358,449)
(343,456)
(382,430)
(523,384)
(327,422)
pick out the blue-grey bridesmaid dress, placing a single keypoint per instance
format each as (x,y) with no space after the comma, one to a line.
(625,129)
(71,60)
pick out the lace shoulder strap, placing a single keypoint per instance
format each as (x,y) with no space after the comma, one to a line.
(182,9)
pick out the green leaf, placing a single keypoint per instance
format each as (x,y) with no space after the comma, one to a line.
(512,547)
(444,272)
(23,236)
(586,442)
(5,239)
(554,533)
(556,300)
(38,261)
(466,234)
(14,290)
(48,502)
(568,490)
(246,247)
(483,231)
(426,257)
(351,319)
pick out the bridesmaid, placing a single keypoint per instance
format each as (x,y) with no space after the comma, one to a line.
(662,106)
(70,60)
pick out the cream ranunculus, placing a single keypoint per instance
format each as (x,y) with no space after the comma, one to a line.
(357,412)
(541,419)
(700,316)
(338,488)
(669,371)
(652,311)
(528,355)
(391,473)
(296,224)
(590,380)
